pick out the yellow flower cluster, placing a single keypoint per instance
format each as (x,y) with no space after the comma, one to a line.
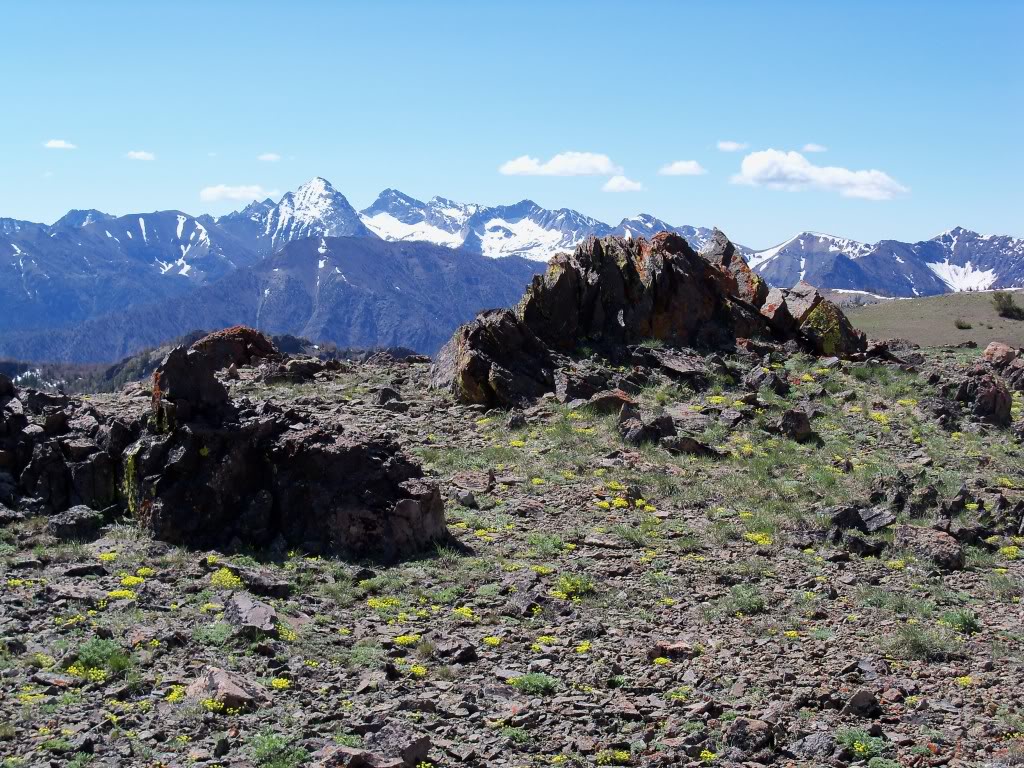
(177,693)
(222,578)
(465,612)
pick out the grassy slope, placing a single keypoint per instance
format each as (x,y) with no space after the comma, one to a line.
(930,321)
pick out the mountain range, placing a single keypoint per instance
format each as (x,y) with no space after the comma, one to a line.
(92,270)
(956,260)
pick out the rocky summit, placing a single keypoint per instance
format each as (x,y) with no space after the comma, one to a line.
(614,292)
(658,514)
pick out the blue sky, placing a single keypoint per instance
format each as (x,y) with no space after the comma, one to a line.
(433,98)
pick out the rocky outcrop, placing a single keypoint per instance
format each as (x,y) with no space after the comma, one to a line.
(803,312)
(612,294)
(57,452)
(196,468)
(265,477)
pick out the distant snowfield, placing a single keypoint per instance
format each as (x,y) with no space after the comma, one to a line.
(387,227)
(524,238)
(965,278)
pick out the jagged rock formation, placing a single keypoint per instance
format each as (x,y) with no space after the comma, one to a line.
(611,293)
(197,468)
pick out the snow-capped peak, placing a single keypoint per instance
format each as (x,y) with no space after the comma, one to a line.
(314,201)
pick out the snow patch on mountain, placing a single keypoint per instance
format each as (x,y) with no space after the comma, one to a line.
(524,238)
(387,227)
(963,278)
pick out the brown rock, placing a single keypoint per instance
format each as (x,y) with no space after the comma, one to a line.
(776,310)
(610,401)
(741,280)
(238,346)
(749,735)
(232,691)
(999,354)
(937,546)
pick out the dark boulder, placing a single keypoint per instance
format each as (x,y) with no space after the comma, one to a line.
(186,389)
(249,616)
(320,491)
(795,424)
(496,360)
(984,395)
(761,377)
(76,523)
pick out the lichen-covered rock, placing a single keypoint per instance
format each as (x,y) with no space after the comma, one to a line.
(238,345)
(829,331)
(495,360)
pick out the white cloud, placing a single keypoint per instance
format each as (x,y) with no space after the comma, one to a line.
(269,157)
(243,192)
(622,184)
(683,168)
(812,147)
(140,154)
(563,164)
(732,146)
(59,144)
(791,170)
